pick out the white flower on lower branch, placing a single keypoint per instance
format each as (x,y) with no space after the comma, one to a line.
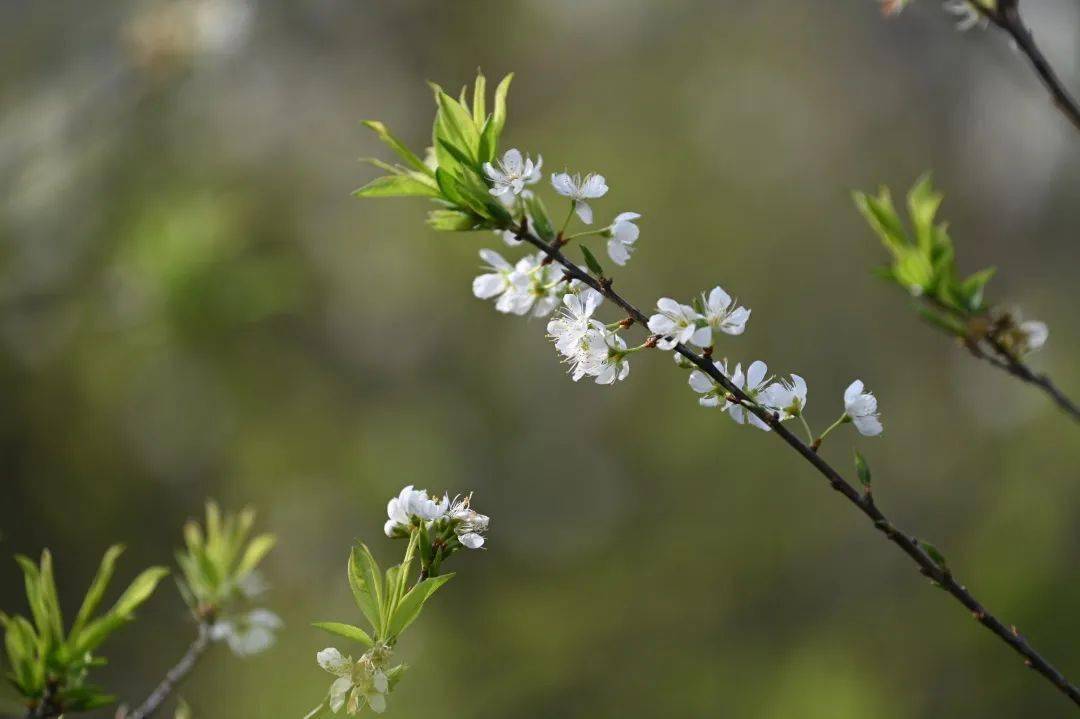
(786,397)
(861,408)
(752,384)
(249,633)
(359,683)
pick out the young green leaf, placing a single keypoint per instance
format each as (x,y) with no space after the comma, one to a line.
(934,554)
(590,260)
(923,203)
(97,588)
(138,591)
(411,604)
(365,580)
(863,470)
(346,630)
(454,221)
(498,116)
(539,216)
(396,186)
(256,550)
(479,111)
(399,147)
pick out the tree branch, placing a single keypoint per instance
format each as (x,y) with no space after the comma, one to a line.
(172,678)
(1007,17)
(938,574)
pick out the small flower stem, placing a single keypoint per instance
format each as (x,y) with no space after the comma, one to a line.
(569,216)
(173,677)
(816,444)
(583,233)
(806,426)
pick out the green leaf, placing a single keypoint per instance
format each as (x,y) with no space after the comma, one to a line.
(396,186)
(944,322)
(498,116)
(458,124)
(881,215)
(454,221)
(256,550)
(479,111)
(457,154)
(863,470)
(934,554)
(923,203)
(411,604)
(97,589)
(138,591)
(399,147)
(50,598)
(590,260)
(394,674)
(365,580)
(539,216)
(972,288)
(346,630)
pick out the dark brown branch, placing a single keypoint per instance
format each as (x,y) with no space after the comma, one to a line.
(939,575)
(172,678)
(1007,17)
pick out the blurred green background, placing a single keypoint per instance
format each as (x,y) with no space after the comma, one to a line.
(192,306)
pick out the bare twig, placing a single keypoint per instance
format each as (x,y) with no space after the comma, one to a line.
(172,678)
(939,574)
(1007,17)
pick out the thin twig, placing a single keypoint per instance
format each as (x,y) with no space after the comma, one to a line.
(173,677)
(938,574)
(1007,17)
(1006,360)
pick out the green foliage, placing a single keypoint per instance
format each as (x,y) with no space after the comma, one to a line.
(49,666)
(591,262)
(463,138)
(923,260)
(384,599)
(218,561)
(863,470)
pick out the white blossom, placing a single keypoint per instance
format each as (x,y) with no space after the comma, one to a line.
(787,397)
(676,323)
(721,313)
(574,320)
(499,282)
(579,190)
(512,173)
(623,233)
(713,394)
(408,504)
(861,407)
(752,384)
(249,633)
(614,367)
(966,14)
(469,525)
(358,684)
(1034,335)
(534,287)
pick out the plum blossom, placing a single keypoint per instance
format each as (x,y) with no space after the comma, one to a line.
(614,366)
(575,320)
(359,683)
(861,408)
(676,323)
(534,287)
(249,633)
(469,525)
(499,282)
(512,173)
(966,13)
(622,233)
(412,503)
(712,394)
(1034,334)
(752,384)
(579,190)
(721,313)
(787,397)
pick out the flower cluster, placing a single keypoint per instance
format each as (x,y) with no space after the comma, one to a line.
(360,683)
(413,508)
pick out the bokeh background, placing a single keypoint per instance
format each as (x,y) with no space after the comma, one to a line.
(192,306)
